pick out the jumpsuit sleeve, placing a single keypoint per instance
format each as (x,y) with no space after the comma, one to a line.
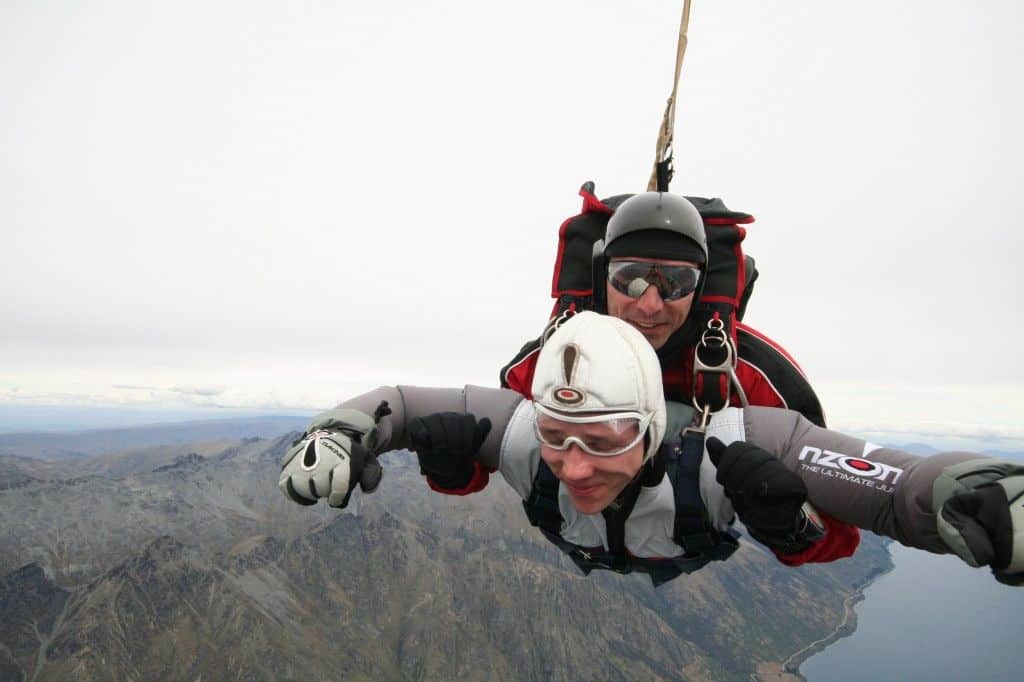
(886,491)
(409,402)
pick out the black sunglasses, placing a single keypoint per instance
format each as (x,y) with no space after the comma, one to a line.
(633,277)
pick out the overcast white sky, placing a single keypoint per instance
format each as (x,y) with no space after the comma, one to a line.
(280,204)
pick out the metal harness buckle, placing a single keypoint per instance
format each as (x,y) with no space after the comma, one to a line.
(714,339)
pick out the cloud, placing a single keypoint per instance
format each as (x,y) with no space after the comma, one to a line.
(946,435)
(82,398)
(171,398)
(205,391)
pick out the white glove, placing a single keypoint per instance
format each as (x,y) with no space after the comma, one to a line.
(328,462)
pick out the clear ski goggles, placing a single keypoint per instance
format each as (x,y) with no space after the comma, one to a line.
(604,435)
(672,281)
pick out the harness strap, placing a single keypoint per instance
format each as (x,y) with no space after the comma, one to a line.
(692,529)
(692,526)
(615,516)
(542,511)
(542,505)
(714,366)
(662,173)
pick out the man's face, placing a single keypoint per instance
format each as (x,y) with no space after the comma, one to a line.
(592,481)
(656,319)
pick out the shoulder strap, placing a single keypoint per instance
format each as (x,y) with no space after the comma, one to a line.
(542,505)
(692,529)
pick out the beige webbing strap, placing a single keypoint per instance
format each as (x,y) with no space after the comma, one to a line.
(663,152)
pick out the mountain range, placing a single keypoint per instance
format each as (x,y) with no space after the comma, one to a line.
(184,562)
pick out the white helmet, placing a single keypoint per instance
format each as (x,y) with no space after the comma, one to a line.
(595,365)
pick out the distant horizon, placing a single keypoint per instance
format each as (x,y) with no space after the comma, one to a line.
(18,419)
(40,419)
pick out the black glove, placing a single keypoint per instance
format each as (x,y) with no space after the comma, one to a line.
(765,494)
(983,520)
(447,444)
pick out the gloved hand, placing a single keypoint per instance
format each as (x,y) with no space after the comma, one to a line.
(329,462)
(447,444)
(767,496)
(985,527)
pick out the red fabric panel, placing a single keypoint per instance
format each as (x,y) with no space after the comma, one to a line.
(840,541)
(592,204)
(719,299)
(477,483)
(729,221)
(759,390)
(519,377)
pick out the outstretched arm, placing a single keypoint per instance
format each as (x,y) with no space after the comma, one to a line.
(955,502)
(339,448)
(414,402)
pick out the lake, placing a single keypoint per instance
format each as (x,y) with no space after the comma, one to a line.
(931,618)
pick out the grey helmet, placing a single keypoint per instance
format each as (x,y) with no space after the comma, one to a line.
(663,218)
(650,225)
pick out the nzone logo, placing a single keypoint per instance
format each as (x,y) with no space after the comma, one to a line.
(851,465)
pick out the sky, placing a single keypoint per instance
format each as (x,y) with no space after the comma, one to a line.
(271,205)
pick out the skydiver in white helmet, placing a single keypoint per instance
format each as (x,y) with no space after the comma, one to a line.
(619,479)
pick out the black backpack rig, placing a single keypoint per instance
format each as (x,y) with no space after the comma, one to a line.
(717,342)
(728,284)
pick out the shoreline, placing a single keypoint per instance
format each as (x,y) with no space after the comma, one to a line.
(845,628)
(789,669)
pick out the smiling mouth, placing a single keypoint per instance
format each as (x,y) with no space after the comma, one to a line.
(644,325)
(582,491)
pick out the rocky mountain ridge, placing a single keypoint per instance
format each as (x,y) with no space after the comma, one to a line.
(198,567)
